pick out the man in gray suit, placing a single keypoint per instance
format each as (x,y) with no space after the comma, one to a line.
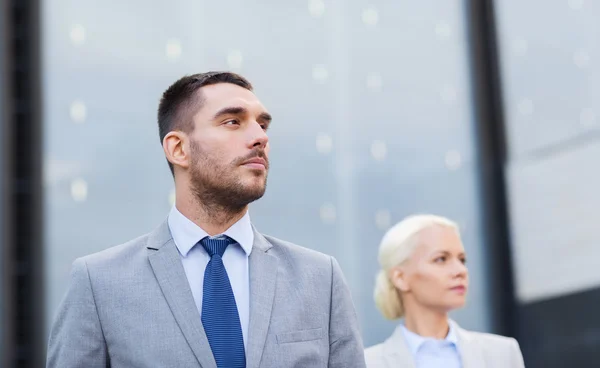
(206,289)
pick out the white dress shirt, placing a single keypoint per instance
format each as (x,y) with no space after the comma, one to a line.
(194,257)
(433,353)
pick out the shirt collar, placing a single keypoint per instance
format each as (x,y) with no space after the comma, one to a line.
(415,341)
(187,234)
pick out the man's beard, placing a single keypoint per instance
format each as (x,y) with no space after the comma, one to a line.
(216,186)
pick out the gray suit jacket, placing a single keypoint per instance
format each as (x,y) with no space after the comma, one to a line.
(131,306)
(476,349)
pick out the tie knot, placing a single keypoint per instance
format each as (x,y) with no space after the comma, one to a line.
(215,246)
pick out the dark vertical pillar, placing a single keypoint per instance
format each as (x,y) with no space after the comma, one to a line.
(492,158)
(22,137)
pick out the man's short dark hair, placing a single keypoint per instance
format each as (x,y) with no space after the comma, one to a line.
(181,101)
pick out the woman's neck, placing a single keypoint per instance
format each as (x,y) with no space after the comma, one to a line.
(427,323)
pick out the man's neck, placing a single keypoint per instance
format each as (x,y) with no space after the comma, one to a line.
(212,220)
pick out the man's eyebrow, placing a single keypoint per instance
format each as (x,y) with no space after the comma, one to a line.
(233,110)
(266,117)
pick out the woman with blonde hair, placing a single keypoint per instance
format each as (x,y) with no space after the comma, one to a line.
(424,276)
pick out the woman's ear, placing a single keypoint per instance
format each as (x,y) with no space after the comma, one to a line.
(177,149)
(399,278)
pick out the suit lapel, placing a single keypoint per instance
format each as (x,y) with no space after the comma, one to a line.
(263,279)
(396,352)
(470,353)
(168,269)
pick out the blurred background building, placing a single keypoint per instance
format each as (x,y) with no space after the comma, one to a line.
(482,111)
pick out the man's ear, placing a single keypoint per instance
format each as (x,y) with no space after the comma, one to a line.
(176,148)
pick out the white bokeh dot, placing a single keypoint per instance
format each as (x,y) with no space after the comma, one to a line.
(324,143)
(576,4)
(316,8)
(173,49)
(525,107)
(383,219)
(79,190)
(78,111)
(378,150)
(374,82)
(448,94)
(581,59)
(520,46)
(235,59)
(171,197)
(442,30)
(453,160)
(320,73)
(370,16)
(327,213)
(587,117)
(77,34)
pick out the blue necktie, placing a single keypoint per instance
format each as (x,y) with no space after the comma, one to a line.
(219,312)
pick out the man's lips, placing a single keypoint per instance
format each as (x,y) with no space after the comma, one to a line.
(256,162)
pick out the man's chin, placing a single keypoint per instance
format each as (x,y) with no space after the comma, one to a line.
(256,193)
(252,191)
(256,184)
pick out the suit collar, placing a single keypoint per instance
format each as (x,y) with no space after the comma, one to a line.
(415,341)
(263,280)
(396,352)
(165,260)
(468,348)
(159,237)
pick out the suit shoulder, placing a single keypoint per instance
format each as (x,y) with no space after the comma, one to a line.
(116,254)
(374,351)
(494,344)
(298,252)
(492,338)
(499,348)
(374,355)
